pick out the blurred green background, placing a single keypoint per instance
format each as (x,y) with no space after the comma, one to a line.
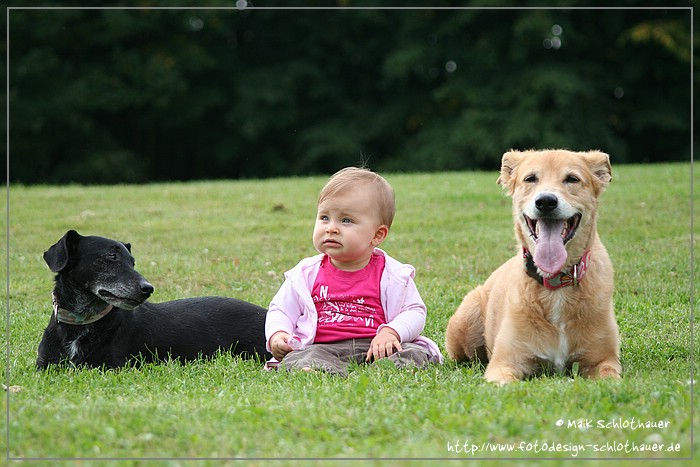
(133,95)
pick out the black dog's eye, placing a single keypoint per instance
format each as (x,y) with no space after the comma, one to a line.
(571,179)
(532,178)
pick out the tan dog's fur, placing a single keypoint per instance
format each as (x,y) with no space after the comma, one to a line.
(514,322)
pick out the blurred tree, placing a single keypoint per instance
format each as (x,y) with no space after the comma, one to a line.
(133,95)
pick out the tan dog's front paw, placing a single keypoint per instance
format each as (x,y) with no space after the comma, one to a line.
(607,371)
(500,375)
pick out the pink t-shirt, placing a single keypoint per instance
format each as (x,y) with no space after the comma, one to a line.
(348,303)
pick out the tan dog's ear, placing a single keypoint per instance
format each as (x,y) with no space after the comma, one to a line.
(509,163)
(599,163)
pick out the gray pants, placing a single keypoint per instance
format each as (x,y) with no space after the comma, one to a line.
(335,357)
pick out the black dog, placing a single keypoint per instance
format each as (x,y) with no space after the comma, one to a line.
(101,317)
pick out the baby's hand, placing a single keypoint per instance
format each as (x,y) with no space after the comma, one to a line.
(384,344)
(279,346)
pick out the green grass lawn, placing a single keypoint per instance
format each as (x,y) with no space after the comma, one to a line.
(236,238)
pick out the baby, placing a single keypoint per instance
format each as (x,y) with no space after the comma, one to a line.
(352,302)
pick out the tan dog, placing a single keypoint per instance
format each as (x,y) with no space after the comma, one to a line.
(551,303)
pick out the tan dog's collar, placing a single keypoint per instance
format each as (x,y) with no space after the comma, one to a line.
(69,317)
(563,279)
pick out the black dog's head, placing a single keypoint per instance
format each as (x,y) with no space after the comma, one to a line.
(100,266)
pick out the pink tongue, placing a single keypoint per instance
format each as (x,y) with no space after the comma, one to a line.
(550,254)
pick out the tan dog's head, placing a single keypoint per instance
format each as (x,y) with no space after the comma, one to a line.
(555,201)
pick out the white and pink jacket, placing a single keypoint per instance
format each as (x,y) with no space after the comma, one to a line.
(292,309)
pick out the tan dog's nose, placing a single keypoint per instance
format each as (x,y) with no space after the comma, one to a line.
(546,202)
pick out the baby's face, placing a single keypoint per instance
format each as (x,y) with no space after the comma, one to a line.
(348,229)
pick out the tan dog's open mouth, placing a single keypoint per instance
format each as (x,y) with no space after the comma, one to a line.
(551,236)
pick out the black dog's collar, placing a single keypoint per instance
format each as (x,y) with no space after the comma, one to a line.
(69,317)
(563,279)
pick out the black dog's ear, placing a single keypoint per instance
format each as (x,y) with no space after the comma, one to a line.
(58,255)
(127,245)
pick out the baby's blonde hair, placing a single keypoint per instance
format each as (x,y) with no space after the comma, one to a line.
(353,177)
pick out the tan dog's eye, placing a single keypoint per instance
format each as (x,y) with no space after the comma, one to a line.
(571,179)
(531,179)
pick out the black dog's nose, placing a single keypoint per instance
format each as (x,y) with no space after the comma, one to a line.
(546,202)
(146,287)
